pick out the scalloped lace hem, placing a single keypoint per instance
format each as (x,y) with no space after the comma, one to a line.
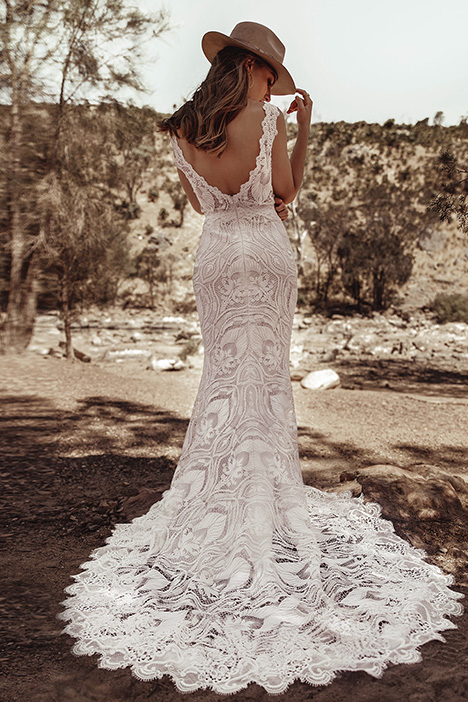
(373,603)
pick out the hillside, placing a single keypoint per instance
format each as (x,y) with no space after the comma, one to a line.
(339,153)
(343,159)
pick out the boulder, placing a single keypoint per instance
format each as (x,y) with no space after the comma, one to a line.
(166,364)
(126,354)
(427,505)
(321,380)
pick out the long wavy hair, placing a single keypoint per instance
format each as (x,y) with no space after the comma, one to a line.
(202,121)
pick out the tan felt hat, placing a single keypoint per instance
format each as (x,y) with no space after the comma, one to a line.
(259,40)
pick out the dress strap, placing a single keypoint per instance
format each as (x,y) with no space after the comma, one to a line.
(179,158)
(269,125)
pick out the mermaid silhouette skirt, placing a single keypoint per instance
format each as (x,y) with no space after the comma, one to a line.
(241,573)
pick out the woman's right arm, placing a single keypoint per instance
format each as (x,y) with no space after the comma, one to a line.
(193,199)
(287,172)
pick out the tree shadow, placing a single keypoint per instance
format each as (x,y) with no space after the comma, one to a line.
(329,458)
(403,376)
(55,508)
(453,458)
(32,425)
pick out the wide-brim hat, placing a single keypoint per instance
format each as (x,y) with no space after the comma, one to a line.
(259,40)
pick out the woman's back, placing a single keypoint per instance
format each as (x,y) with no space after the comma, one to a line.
(231,170)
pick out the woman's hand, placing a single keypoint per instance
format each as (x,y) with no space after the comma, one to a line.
(281,209)
(302,104)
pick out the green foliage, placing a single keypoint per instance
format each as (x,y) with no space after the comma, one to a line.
(179,203)
(185,306)
(376,253)
(153,194)
(451,308)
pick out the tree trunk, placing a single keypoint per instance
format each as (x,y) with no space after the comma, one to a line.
(66,314)
(21,309)
(297,239)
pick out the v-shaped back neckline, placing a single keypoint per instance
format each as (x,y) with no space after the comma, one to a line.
(244,185)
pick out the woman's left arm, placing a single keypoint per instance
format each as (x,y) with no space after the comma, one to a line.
(287,172)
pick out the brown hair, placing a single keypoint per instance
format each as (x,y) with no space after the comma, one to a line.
(203,120)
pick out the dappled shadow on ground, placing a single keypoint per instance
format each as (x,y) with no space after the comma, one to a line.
(328,457)
(403,376)
(324,458)
(453,458)
(33,425)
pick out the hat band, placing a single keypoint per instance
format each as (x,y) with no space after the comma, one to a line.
(259,50)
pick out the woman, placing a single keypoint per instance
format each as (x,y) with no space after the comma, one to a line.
(241,573)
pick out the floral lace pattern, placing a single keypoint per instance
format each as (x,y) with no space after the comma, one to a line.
(240,573)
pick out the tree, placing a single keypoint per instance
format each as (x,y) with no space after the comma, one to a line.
(325,225)
(438,119)
(85,247)
(376,253)
(134,149)
(297,233)
(452,200)
(179,202)
(60,51)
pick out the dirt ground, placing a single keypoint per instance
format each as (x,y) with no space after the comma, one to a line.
(77,441)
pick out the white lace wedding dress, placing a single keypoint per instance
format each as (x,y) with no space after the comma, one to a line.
(241,573)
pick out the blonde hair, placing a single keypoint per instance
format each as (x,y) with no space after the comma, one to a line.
(202,121)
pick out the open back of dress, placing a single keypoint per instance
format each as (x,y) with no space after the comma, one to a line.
(241,573)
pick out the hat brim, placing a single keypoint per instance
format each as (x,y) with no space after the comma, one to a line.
(213,42)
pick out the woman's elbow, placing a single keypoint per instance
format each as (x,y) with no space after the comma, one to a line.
(287,196)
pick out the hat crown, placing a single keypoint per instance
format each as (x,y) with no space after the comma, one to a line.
(259,38)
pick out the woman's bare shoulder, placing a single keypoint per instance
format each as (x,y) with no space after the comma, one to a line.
(249,119)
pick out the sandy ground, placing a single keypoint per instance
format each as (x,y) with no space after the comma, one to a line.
(78,441)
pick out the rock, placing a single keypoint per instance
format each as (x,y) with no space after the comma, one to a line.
(352,486)
(126,354)
(166,364)
(55,353)
(137,336)
(96,340)
(321,380)
(331,356)
(83,357)
(427,505)
(432,240)
(297,375)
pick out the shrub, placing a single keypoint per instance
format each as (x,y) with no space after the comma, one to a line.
(189,348)
(451,308)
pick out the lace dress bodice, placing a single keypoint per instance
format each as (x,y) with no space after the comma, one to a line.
(256,192)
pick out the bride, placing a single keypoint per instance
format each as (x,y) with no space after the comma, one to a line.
(241,573)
